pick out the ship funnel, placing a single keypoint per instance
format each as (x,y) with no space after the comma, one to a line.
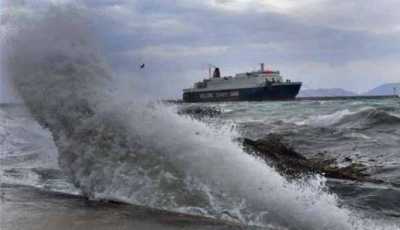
(216,74)
(262,67)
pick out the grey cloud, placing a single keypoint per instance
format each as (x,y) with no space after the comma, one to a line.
(207,26)
(368,15)
(177,39)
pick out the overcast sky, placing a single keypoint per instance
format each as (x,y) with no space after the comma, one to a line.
(353,45)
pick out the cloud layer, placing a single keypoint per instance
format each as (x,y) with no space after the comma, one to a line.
(324,43)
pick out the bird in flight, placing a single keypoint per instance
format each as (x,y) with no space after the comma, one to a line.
(142,66)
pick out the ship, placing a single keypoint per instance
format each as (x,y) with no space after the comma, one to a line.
(260,85)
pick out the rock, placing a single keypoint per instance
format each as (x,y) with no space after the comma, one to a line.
(199,111)
(348,159)
(293,164)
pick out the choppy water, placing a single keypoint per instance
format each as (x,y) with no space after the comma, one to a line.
(365,131)
(89,134)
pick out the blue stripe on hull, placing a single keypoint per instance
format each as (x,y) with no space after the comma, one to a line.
(275,92)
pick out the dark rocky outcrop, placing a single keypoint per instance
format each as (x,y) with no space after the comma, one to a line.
(199,111)
(293,164)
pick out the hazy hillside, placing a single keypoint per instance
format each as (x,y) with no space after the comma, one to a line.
(385,89)
(325,92)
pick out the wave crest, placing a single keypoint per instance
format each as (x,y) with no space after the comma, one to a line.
(364,118)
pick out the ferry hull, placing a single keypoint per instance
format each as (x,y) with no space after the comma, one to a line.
(286,91)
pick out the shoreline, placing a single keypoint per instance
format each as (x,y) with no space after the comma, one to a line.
(362,97)
(25,207)
(328,98)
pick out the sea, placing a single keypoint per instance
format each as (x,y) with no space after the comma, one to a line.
(37,193)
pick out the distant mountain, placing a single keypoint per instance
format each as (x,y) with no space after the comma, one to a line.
(325,92)
(385,89)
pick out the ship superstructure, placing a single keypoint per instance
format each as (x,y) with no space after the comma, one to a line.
(250,86)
